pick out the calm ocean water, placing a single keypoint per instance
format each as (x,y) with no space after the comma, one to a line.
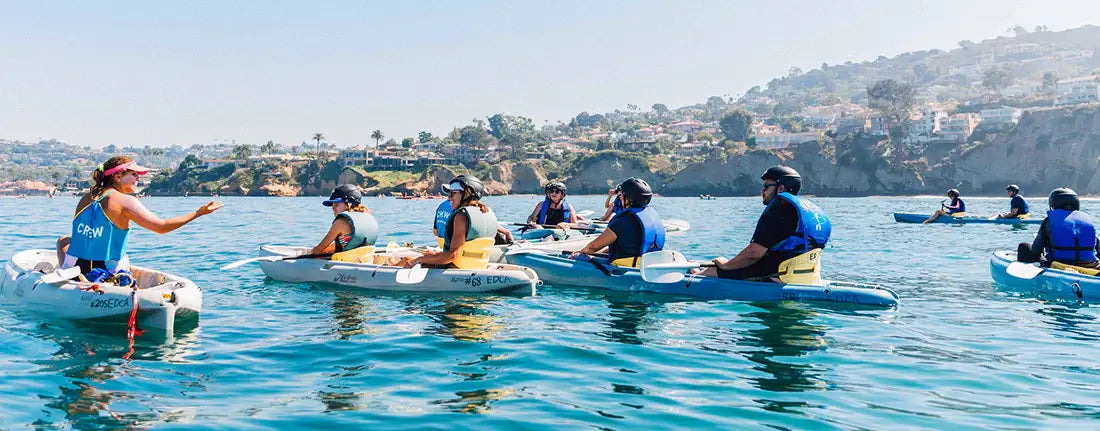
(957,353)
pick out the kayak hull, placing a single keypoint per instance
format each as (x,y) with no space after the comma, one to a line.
(1048,282)
(496,254)
(920,218)
(495,278)
(162,298)
(555,268)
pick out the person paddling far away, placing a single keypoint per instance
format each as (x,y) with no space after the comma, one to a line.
(554,210)
(470,220)
(101,225)
(353,225)
(1067,235)
(613,203)
(790,226)
(957,208)
(1018,207)
(637,230)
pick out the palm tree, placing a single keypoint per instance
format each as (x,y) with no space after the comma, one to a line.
(318,137)
(377,136)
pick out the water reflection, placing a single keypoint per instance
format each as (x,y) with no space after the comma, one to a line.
(348,312)
(626,318)
(784,332)
(1070,321)
(464,318)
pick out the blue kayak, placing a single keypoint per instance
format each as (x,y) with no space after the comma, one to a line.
(554,268)
(1032,278)
(920,218)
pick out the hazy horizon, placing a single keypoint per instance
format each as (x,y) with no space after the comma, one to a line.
(134,74)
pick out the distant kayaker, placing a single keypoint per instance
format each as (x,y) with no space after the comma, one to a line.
(469,220)
(637,230)
(353,225)
(613,203)
(1018,206)
(957,206)
(789,227)
(553,210)
(101,225)
(1067,235)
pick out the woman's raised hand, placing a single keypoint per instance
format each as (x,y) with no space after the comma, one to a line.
(209,208)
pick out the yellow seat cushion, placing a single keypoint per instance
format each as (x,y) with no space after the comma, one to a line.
(802,269)
(474,254)
(363,254)
(628,262)
(1074,268)
(959,214)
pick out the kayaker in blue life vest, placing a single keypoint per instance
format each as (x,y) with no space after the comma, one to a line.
(635,231)
(613,203)
(553,210)
(957,206)
(469,220)
(789,226)
(1018,206)
(1067,235)
(101,225)
(352,227)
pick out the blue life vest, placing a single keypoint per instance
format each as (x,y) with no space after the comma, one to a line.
(961,209)
(1019,202)
(442,214)
(364,231)
(94,237)
(617,206)
(1072,236)
(566,211)
(813,228)
(652,234)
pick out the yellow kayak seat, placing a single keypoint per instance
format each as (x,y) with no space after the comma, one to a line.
(363,254)
(1023,216)
(474,254)
(1074,268)
(959,214)
(440,241)
(627,262)
(802,269)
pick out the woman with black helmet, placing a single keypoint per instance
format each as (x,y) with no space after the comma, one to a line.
(554,210)
(470,220)
(1018,207)
(790,226)
(636,231)
(957,208)
(353,225)
(1067,235)
(613,203)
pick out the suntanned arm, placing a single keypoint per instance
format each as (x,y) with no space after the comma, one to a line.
(137,213)
(748,256)
(534,217)
(328,244)
(606,238)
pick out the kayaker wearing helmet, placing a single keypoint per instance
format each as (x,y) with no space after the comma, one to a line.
(613,203)
(101,225)
(790,226)
(1067,235)
(1018,207)
(956,208)
(554,210)
(353,225)
(635,231)
(469,220)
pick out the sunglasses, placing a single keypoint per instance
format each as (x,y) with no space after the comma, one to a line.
(766,185)
(555,192)
(454,191)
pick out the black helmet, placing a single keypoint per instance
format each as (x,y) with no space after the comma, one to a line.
(953,193)
(786,176)
(1013,188)
(346,193)
(466,182)
(637,191)
(556,185)
(1064,198)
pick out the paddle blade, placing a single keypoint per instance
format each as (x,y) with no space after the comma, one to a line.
(61,275)
(413,275)
(677,225)
(665,266)
(1023,270)
(241,263)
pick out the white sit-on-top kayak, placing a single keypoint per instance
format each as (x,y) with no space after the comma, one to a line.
(494,278)
(161,298)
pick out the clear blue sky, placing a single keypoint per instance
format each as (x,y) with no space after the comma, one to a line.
(164,73)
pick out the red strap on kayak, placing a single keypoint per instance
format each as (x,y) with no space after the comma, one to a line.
(131,326)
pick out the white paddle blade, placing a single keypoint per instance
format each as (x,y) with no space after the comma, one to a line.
(240,263)
(1023,270)
(675,225)
(61,275)
(413,275)
(665,266)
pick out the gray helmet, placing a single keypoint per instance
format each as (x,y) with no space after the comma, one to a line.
(556,185)
(346,193)
(786,176)
(1064,198)
(466,182)
(637,191)
(953,193)
(1013,188)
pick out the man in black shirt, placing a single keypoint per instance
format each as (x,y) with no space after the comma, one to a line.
(778,236)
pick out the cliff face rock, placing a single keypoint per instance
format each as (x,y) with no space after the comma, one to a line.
(595,174)
(500,179)
(526,178)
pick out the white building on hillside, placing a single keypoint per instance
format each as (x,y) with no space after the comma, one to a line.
(1077,90)
(1004,115)
(784,140)
(355,156)
(958,127)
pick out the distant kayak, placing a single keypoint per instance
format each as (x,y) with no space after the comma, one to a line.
(1032,278)
(920,218)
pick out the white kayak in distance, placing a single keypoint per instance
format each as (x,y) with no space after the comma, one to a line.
(494,278)
(31,280)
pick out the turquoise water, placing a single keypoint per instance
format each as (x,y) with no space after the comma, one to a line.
(957,353)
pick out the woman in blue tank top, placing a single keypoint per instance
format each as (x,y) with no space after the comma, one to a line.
(101,225)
